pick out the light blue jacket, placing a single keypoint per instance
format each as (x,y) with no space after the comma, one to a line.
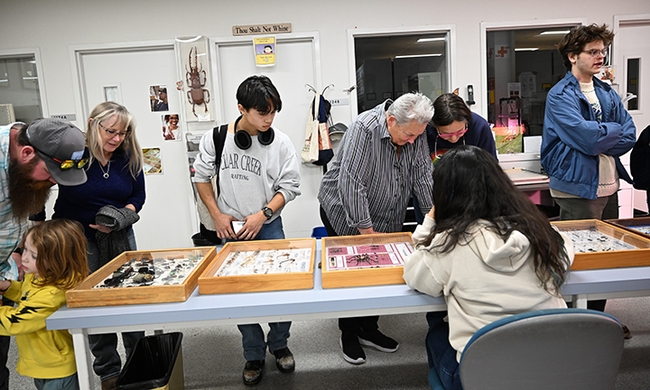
(573,138)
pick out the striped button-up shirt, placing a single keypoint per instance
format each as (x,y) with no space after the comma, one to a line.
(369,185)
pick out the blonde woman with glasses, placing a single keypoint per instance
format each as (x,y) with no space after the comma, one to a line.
(116,179)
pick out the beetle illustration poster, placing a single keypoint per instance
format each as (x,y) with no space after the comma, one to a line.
(264,51)
(196,77)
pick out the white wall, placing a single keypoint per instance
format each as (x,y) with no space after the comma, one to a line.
(55,25)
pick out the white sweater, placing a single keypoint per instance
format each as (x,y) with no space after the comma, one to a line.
(249,179)
(483,280)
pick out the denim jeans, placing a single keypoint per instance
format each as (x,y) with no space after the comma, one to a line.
(68,383)
(440,353)
(252,334)
(107,362)
(253,339)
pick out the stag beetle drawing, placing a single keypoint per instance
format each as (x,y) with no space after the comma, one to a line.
(196,79)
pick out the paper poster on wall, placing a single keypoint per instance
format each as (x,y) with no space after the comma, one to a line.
(112,94)
(501,51)
(152,161)
(527,80)
(514,90)
(170,130)
(158,98)
(197,79)
(264,51)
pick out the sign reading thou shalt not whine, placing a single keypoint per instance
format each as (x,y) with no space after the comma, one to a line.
(256,29)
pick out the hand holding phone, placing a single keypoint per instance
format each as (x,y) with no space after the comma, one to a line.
(237,226)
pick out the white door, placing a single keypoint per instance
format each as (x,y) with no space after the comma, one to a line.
(296,65)
(165,220)
(630,45)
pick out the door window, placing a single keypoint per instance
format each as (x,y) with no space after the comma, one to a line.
(387,66)
(522,66)
(20,98)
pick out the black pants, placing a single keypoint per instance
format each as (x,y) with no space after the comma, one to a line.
(351,324)
(5,341)
(355,325)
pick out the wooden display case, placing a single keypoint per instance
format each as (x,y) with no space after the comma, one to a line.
(227,273)
(630,250)
(89,294)
(372,274)
(639,226)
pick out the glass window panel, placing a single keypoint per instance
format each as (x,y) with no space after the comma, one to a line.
(522,66)
(389,66)
(633,83)
(19,86)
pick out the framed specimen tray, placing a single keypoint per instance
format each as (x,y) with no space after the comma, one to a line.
(636,225)
(599,244)
(364,260)
(267,265)
(137,277)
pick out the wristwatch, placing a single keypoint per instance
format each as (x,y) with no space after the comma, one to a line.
(268,212)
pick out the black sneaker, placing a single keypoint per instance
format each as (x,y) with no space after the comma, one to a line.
(352,351)
(252,374)
(378,341)
(284,360)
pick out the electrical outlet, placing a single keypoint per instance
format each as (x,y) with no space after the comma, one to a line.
(68,117)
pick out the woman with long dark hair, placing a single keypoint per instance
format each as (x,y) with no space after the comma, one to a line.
(488,249)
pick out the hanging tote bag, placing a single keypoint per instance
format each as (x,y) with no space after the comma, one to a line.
(325,152)
(310,148)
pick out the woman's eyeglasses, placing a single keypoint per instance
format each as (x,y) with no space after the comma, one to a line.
(65,165)
(452,135)
(113,133)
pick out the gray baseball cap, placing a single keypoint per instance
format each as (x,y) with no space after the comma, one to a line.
(336,131)
(57,140)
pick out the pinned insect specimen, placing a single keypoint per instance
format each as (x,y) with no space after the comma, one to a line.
(196,80)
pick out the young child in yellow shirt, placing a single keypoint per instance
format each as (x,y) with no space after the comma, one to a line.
(54,260)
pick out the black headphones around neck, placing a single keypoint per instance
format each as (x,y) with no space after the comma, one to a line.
(243,139)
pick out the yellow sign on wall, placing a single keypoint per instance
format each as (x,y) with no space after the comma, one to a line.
(264,51)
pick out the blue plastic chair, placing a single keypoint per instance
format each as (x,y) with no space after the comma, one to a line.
(559,349)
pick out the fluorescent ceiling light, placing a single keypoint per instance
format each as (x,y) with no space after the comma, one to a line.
(563,32)
(526,48)
(430,40)
(420,55)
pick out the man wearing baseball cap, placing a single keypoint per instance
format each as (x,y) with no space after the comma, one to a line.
(32,159)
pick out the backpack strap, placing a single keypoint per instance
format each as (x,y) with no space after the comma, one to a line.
(219,139)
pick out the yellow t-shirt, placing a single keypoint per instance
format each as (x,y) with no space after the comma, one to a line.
(42,353)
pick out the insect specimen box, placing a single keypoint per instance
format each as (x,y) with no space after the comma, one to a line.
(599,244)
(364,260)
(137,277)
(636,225)
(266,265)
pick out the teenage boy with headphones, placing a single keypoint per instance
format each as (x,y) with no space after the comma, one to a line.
(258,175)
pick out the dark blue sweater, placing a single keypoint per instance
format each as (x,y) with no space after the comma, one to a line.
(81,203)
(478,134)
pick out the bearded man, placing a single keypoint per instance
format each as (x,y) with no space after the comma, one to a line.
(32,159)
